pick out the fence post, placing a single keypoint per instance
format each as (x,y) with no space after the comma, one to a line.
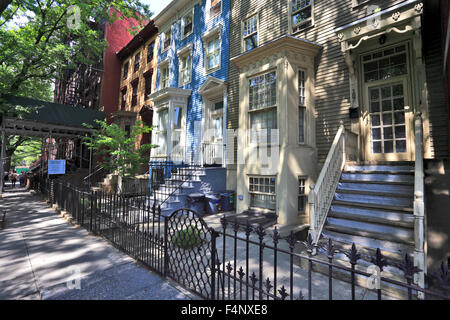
(166,255)
(92,210)
(214,235)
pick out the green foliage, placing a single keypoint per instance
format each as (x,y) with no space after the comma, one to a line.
(27,153)
(118,148)
(38,42)
(187,238)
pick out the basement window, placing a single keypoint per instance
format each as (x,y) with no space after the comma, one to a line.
(302,200)
(262,192)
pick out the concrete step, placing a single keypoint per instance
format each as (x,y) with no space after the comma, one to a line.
(370,230)
(373,215)
(384,178)
(376,189)
(400,169)
(365,199)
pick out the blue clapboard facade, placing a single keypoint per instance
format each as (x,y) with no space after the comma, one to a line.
(190,100)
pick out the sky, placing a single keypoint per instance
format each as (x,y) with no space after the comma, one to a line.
(156,5)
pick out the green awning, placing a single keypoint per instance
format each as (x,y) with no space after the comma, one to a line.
(52,113)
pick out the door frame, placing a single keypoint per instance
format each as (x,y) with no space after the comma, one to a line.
(410,100)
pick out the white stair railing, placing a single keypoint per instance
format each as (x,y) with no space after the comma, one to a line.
(321,195)
(419,206)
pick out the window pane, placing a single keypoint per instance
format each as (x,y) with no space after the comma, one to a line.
(301,124)
(262,91)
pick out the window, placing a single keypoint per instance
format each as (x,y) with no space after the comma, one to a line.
(185,68)
(134,94)
(137,61)
(187,24)
(301,14)
(218,105)
(216,7)
(262,192)
(262,106)
(302,195)
(125,70)
(163,120)
(250,34)
(213,53)
(177,117)
(150,49)
(301,107)
(262,92)
(166,40)
(148,84)
(128,130)
(164,77)
(385,64)
(123,98)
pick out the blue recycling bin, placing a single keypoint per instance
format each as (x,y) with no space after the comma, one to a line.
(227,200)
(196,202)
(211,203)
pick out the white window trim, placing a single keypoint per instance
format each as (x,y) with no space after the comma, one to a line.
(163,39)
(161,65)
(157,129)
(183,36)
(291,26)
(208,10)
(306,122)
(243,49)
(207,36)
(305,195)
(262,193)
(187,50)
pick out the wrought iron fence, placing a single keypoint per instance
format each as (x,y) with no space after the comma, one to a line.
(235,261)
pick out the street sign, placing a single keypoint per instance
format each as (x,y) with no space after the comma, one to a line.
(56,166)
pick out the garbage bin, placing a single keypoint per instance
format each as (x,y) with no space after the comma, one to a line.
(196,202)
(211,203)
(227,200)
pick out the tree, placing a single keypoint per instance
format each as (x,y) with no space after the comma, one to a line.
(118,148)
(39,39)
(27,153)
(55,35)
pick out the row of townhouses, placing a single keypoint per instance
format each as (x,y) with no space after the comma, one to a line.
(317,111)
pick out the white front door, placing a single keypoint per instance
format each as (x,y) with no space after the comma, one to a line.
(387,114)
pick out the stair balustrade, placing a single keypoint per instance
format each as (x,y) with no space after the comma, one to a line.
(321,195)
(419,206)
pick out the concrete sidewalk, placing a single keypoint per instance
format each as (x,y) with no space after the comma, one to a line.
(43,257)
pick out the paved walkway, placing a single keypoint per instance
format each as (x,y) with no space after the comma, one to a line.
(44,257)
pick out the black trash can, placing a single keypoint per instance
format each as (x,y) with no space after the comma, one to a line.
(196,202)
(227,199)
(212,203)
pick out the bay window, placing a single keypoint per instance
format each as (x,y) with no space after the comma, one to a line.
(262,107)
(301,107)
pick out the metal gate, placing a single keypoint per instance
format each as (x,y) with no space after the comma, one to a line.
(189,246)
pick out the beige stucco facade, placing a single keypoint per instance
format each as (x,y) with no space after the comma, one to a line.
(286,56)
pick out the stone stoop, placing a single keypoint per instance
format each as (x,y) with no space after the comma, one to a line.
(373,208)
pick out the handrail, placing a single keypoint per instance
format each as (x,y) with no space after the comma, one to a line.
(419,206)
(321,195)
